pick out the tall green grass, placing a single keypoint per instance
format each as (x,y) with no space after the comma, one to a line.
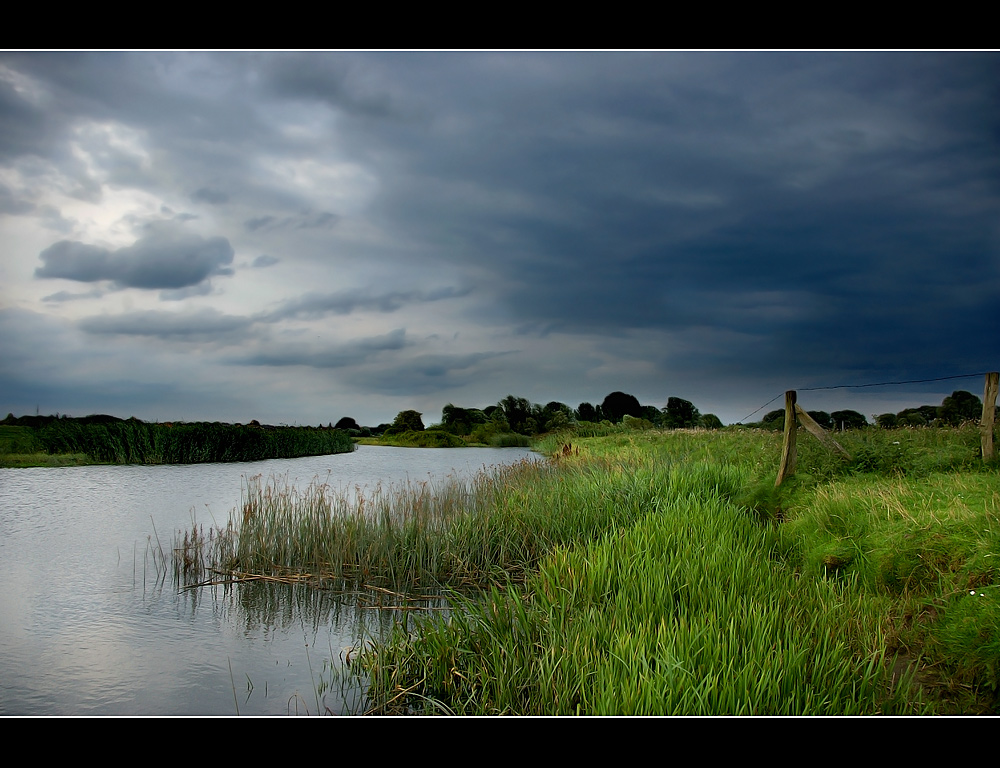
(647,572)
(136,442)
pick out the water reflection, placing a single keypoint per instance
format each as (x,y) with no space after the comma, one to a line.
(91,626)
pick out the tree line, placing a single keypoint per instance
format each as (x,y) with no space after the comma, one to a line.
(519,416)
(955,409)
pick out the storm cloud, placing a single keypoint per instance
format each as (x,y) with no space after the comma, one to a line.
(718,226)
(158,260)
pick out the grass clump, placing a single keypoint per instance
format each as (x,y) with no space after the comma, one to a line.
(656,573)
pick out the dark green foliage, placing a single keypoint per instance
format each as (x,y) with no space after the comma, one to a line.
(917,417)
(138,442)
(405,421)
(427,438)
(617,404)
(680,414)
(710,421)
(517,413)
(587,412)
(347,423)
(20,440)
(461,421)
(774,419)
(887,420)
(960,406)
(653,414)
(822,418)
(848,420)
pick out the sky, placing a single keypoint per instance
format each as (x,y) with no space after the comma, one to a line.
(299,236)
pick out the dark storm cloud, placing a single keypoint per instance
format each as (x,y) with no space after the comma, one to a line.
(339,356)
(211,196)
(424,374)
(786,216)
(652,192)
(308,220)
(200,325)
(159,260)
(331,79)
(312,306)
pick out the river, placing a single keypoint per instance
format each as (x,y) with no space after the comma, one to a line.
(88,628)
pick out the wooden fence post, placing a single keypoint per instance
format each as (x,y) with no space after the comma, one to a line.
(989,409)
(787,466)
(810,425)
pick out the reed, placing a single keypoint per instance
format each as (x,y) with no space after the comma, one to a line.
(647,572)
(132,441)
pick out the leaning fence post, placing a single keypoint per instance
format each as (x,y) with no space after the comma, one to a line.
(989,409)
(787,466)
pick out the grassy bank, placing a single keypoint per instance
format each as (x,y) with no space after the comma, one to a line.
(65,441)
(438,438)
(662,573)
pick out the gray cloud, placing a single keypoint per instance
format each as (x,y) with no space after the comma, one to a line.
(425,374)
(211,196)
(339,356)
(158,260)
(200,325)
(312,306)
(308,220)
(772,219)
(264,260)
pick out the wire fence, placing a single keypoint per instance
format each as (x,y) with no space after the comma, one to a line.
(864,386)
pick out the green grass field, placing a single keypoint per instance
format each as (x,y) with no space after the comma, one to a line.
(662,573)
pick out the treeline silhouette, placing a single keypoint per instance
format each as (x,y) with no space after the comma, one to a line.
(514,418)
(958,407)
(130,441)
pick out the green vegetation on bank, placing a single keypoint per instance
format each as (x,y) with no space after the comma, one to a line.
(661,572)
(61,441)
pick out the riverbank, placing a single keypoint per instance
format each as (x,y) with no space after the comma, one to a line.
(692,586)
(62,441)
(657,573)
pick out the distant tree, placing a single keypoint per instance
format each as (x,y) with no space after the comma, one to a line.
(680,414)
(517,412)
(925,414)
(405,421)
(710,421)
(347,423)
(911,417)
(774,419)
(848,420)
(555,415)
(822,418)
(617,404)
(653,415)
(587,412)
(887,420)
(960,406)
(461,421)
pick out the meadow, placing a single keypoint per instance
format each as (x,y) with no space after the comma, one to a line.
(647,572)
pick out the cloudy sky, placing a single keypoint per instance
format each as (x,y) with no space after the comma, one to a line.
(299,236)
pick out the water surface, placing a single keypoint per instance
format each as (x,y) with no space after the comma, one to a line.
(87,628)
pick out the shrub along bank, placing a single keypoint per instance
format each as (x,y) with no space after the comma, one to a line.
(131,441)
(651,573)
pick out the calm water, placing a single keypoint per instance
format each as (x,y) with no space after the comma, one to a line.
(87,629)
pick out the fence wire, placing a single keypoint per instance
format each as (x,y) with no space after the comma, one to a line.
(863,386)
